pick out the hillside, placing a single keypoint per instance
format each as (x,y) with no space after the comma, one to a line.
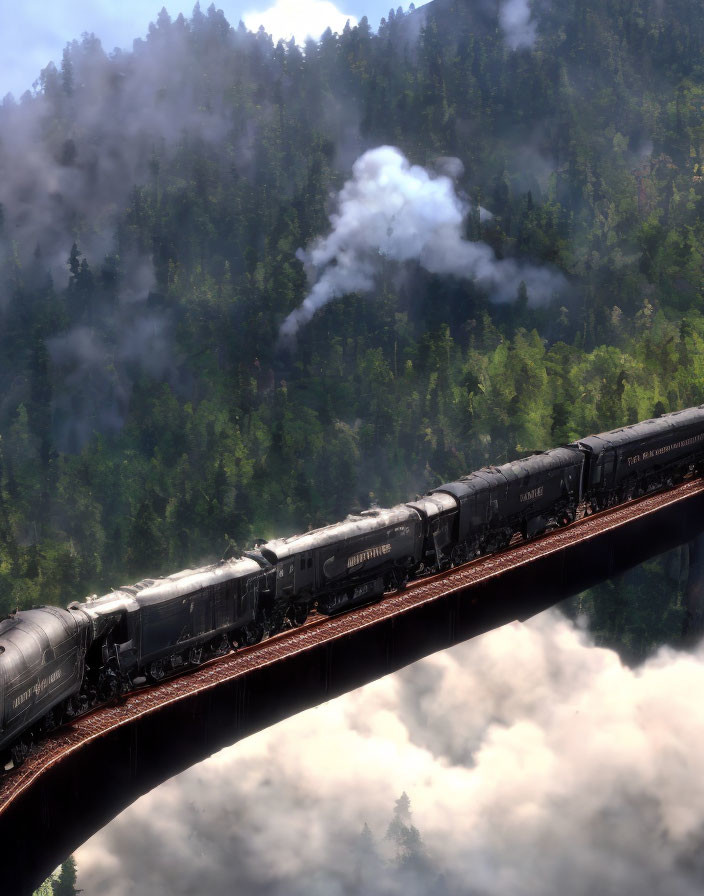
(152,209)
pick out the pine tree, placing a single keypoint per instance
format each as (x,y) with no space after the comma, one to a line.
(65,884)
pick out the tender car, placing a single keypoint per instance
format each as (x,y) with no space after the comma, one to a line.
(158,625)
(526,496)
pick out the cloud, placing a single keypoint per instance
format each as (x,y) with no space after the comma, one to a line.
(300,19)
(530,756)
(515,18)
(390,209)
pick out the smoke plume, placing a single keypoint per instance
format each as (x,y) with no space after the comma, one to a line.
(515,18)
(528,754)
(398,211)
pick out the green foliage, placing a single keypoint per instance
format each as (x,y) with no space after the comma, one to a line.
(641,610)
(46,889)
(65,884)
(61,883)
(587,148)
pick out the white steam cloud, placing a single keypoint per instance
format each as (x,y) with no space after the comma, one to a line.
(299,19)
(516,20)
(392,209)
(531,758)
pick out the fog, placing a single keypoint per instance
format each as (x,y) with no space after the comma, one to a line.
(531,758)
(73,154)
(72,159)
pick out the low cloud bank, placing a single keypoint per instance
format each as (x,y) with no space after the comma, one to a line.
(531,758)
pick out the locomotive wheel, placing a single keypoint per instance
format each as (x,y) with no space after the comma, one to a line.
(297,615)
(301,614)
(397,579)
(108,687)
(247,636)
(276,625)
(19,752)
(253,634)
(51,721)
(71,709)
(503,540)
(459,554)
(219,646)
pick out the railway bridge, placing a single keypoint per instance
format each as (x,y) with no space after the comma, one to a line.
(89,771)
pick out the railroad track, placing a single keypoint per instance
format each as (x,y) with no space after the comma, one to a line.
(318,630)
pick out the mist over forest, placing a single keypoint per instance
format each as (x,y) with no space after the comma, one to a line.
(204,340)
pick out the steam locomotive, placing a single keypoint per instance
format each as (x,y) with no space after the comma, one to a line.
(55,664)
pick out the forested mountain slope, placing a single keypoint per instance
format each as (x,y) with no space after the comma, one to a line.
(151,207)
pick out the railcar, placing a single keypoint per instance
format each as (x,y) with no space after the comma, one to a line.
(626,462)
(346,563)
(42,662)
(527,496)
(158,625)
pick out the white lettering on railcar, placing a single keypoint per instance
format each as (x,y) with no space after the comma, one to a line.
(656,452)
(533,493)
(369,554)
(361,590)
(38,688)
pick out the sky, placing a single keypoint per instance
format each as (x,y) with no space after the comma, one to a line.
(35,32)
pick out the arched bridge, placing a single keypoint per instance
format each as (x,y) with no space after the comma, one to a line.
(89,771)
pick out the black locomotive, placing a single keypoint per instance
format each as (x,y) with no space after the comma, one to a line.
(42,667)
(55,664)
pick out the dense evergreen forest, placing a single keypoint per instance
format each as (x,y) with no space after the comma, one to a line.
(152,204)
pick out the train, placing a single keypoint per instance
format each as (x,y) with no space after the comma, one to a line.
(56,664)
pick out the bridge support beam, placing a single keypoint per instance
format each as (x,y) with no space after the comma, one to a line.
(694,594)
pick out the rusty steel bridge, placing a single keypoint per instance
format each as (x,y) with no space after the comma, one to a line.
(88,771)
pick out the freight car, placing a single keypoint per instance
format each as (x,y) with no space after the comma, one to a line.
(56,663)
